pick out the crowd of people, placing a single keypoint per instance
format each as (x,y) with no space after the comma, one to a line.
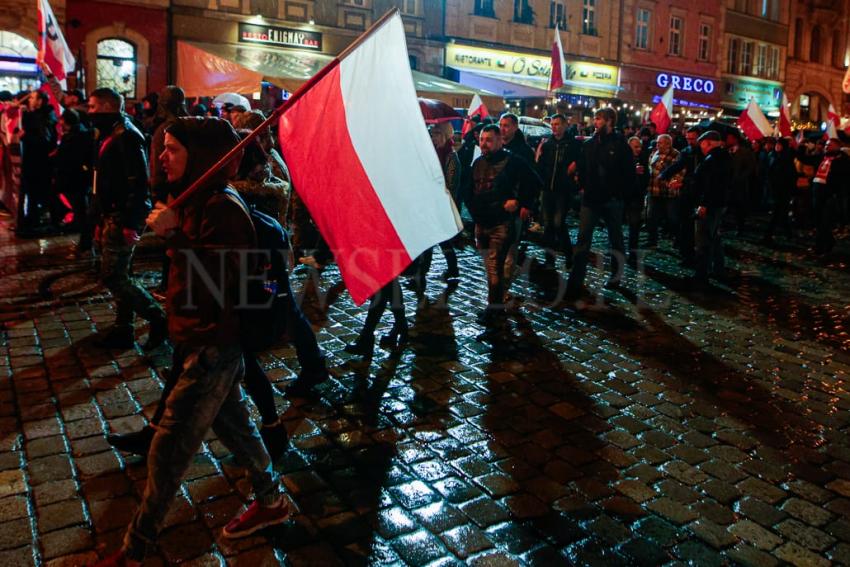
(118,174)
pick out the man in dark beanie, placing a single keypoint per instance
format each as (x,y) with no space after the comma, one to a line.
(711,193)
(121,202)
(206,236)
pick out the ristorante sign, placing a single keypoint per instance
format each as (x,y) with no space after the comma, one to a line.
(284,37)
(528,66)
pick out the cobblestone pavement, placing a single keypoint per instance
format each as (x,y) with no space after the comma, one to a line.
(655,426)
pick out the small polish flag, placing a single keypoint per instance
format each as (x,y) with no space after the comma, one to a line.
(559,66)
(662,114)
(478,107)
(52,48)
(832,121)
(784,117)
(754,123)
(361,159)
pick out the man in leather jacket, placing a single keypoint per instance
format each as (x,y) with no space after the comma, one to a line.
(687,162)
(556,165)
(121,203)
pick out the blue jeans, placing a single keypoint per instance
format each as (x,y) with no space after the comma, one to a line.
(709,244)
(207,394)
(612,214)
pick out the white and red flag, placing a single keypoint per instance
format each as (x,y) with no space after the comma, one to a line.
(361,159)
(53,50)
(784,117)
(754,123)
(478,107)
(832,122)
(559,65)
(662,114)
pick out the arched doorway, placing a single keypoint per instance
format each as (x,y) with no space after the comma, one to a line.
(18,70)
(811,106)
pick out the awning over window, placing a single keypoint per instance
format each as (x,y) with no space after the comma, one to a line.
(510,85)
(208,69)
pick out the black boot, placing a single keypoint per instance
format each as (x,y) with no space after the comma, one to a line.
(397,336)
(157,335)
(276,439)
(138,442)
(118,337)
(307,380)
(364,345)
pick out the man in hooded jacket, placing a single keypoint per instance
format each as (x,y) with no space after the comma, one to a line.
(209,237)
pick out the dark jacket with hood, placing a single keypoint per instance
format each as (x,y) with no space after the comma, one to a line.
(782,175)
(606,169)
(214,225)
(496,178)
(121,182)
(73,158)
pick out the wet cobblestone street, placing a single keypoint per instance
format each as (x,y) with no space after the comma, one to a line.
(655,426)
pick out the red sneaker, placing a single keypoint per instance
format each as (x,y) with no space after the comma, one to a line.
(256,518)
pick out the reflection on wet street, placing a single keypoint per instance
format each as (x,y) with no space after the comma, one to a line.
(654,425)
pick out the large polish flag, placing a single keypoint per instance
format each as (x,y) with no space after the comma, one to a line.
(754,123)
(662,114)
(361,159)
(559,66)
(784,117)
(52,48)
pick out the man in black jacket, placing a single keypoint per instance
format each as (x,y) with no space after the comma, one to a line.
(556,165)
(513,139)
(688,160)
(830,184)
(502,192)
(711,193)
(605,170)
(121,203)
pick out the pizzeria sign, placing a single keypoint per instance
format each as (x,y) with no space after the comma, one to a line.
(283,37)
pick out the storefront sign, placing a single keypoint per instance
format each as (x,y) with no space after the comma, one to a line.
(511,64)
(767,94)
(684,83)
(284,37)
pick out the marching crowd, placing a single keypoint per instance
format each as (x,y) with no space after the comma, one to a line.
(118,173)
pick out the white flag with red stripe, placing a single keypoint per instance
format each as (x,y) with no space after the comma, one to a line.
(754,123)
(361,159)
(662,114)
(476,107)
(832,121)
(784,117)
(52,48)
(559,65)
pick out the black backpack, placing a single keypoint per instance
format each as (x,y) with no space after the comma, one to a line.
(263,317)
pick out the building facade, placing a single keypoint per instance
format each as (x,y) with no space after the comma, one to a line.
(818,58)
(755,39)
(674,43)
(505,47)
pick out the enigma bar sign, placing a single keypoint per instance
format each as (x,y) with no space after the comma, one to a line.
(682,83)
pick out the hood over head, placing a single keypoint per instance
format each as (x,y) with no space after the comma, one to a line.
(207,140)
(171,102)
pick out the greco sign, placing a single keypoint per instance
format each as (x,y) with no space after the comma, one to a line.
(685,83)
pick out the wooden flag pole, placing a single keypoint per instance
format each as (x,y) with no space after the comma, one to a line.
(278,112)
